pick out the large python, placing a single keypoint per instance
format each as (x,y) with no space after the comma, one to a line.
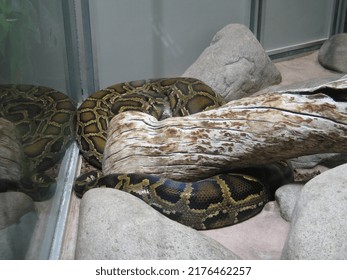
(44,120)
(222,200)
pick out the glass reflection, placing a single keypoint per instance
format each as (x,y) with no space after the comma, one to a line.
(36,124)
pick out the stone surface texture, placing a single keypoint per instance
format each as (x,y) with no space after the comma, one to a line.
(286,197)
(18,218)
(13,205)
(329,160)
(319,226)
(235,64)
(116,225)
(333,53)
(263,236)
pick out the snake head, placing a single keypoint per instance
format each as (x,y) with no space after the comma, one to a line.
(39,186)
(86,182)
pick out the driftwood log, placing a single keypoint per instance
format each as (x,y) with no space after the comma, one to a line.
(245,132)
(10,153)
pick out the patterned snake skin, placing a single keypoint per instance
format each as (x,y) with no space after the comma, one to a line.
(44,121)
(222,200)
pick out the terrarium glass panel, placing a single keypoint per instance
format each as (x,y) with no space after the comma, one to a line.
(300,21)
(36,124)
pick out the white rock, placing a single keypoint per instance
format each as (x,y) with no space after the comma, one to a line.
(14,205)
(286,197)
(319,226)
(18,218)
(333,53)
(235,64)
(116,225)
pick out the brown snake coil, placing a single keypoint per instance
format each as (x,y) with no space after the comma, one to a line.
(222,200)
(43,118)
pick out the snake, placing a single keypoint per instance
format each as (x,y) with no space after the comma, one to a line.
(218,201)
(44,119)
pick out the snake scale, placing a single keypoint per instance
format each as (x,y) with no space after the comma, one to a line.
(47,122)
(44,120)
(222,200)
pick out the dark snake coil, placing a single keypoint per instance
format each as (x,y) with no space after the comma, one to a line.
(219,201)
(44,120)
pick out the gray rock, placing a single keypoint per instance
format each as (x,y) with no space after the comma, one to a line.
(307,174)
(329,160)
(286,197)
(319,226)
(17,222)
(13,205)
(116,225)
(16,238)
(235,64)
(333,53)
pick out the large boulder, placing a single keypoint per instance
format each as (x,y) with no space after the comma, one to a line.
(116,225)
(235,64)
(333,53)
(18,218)
(319,227)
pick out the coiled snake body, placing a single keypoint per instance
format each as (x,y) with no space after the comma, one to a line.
(43,118)
(222,200)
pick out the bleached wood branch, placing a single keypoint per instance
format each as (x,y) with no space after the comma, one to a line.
(244,132)
(10,152)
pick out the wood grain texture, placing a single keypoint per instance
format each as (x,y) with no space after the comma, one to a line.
(244,132)
(10,152)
